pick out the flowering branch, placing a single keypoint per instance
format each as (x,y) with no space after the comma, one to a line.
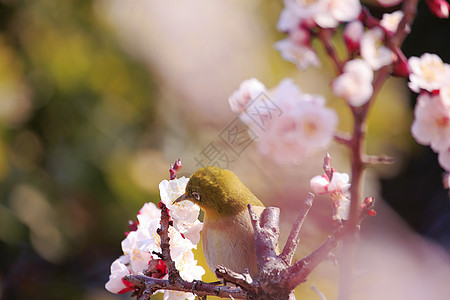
(373,54)
(358,158)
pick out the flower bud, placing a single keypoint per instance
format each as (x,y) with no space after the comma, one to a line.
(353,33)
(401,67)
(439,8)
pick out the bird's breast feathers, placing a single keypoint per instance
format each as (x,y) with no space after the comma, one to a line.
(229,241)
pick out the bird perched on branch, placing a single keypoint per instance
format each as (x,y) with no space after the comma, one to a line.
(227,230)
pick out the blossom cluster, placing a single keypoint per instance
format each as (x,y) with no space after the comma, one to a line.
(430,77)
(141,244)
(304,124)
(338,188)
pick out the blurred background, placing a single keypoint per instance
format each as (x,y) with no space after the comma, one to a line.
(97,98)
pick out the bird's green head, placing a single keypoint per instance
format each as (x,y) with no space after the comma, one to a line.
(218,192)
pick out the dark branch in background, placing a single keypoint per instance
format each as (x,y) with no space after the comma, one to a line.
(357,154)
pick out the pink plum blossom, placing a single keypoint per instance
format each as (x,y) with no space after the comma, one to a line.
(373,51)
(304,126)
(431,125)
(248,90)
(355,83)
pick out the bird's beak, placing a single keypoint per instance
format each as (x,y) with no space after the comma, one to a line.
(181,198)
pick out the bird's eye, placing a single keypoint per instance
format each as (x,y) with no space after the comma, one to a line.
(196,196)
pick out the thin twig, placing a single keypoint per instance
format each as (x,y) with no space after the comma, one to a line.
(298,272)
(379,159)
(324,36)
(319,293)
(343,138)
(294,238)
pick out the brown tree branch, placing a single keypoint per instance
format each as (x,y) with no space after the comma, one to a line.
(243,280)
(174,274)
(324,36)
(199,288)
(358,157)
(298,272)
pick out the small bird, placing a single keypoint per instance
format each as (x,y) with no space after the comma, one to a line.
(227,230)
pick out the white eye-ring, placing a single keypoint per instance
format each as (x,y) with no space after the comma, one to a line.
(196,196)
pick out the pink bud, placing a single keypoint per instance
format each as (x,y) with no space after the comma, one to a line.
(368,200)
(439,8)
(300,36)
(173,171)
(353,33)
(401,67)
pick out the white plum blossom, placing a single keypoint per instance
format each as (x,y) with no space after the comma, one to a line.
(355,83)
(302,56)
(353,33)
(288,20)
(444,91)
(326,13)
(338,189)
(431,125)
(319,184)
(305,125)
(339,183)
(390,21)
(184,213)
(300,125)
(428,72)
(304,10)
(248,90)
(119,269)
(373,51)
(333,12)
(139,245)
